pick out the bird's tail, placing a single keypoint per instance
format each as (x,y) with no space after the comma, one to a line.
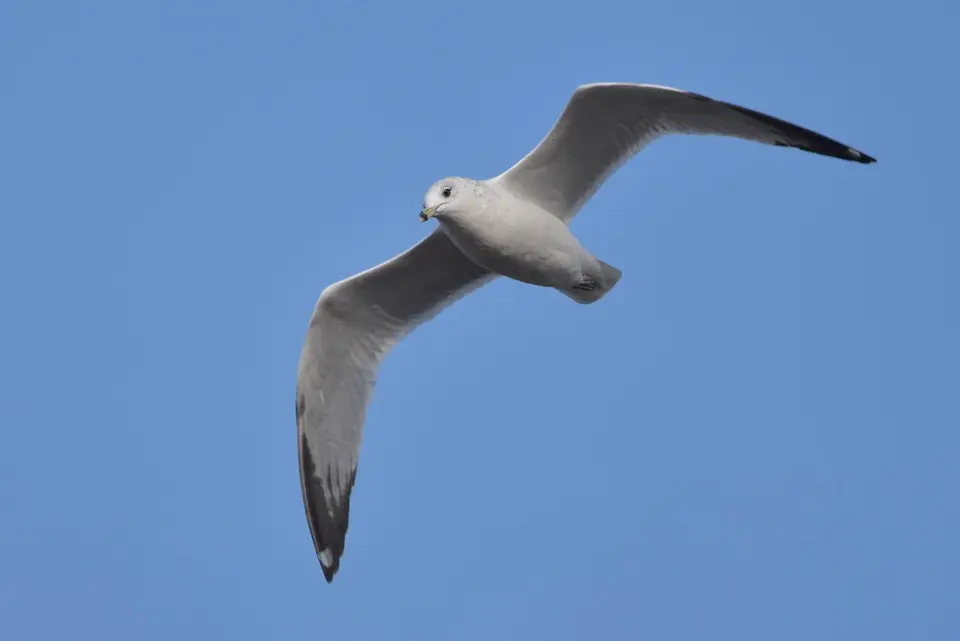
(593,287)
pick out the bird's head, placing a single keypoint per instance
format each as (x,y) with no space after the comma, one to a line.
(448,197)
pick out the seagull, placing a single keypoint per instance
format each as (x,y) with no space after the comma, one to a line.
(513,225)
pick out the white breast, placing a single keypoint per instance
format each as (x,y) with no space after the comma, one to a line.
(518,240)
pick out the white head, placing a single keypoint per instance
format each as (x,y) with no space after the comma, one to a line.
(450,197)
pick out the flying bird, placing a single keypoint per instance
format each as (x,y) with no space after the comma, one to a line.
(513,225)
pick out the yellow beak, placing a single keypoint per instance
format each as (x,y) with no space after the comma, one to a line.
(427,214)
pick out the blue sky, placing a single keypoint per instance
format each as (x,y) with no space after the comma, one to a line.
(754,436)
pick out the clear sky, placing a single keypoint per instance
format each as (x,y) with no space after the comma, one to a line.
(754,436)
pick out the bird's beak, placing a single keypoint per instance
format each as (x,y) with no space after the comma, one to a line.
(427,214)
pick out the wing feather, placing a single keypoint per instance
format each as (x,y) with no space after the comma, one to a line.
(354,325)
(606,124)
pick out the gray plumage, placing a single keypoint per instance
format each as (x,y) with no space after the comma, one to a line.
(513,225)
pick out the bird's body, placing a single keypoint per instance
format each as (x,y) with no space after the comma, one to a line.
(513,225)
(511,237)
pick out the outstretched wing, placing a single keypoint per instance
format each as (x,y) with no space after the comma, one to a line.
(354,325)
(605,124)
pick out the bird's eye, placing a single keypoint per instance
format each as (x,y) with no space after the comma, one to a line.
(446,192)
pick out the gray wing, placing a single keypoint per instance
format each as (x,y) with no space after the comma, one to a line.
(605,124)
(354,325)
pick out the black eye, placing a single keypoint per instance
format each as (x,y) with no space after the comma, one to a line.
(446,192)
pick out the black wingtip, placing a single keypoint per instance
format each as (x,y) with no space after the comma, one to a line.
(855,155)
(832,149)
(852,155)
(327,520)
(802,138)
(329,573)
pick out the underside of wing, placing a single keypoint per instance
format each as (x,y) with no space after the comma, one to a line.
(605,124)
(354,325)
